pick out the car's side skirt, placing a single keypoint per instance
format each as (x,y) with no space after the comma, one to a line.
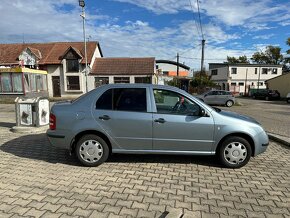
(162,152)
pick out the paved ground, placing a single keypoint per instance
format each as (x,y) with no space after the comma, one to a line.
(40,181)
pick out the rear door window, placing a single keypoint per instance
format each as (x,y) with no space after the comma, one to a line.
(123,99)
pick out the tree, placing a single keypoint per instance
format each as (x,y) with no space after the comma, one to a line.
(201,79)
(241,59)
(272,55)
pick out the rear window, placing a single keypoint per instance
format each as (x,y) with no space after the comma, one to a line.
(123,99)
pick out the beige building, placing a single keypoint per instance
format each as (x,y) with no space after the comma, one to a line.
(240,78)
(280,83)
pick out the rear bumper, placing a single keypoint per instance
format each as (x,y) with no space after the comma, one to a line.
(58,140)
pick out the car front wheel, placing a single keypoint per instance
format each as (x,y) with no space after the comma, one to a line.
(234,152)
(288,100)
(229,103)
(92,150)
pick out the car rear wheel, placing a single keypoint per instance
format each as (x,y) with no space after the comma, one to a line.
(288,100)
(92,150)
(267,98)
(234,152)
(229,103)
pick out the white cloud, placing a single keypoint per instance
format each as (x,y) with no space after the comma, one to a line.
(248,13)
(268,36)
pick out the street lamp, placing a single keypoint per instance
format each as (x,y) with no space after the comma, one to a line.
(82,4)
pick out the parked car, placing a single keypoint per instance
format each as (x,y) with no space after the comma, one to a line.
(152,119)
(266,94)
(218,97)
(288,97)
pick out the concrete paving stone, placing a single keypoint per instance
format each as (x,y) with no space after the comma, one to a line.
(135,198)
(66,209)
(128,212)
(19,210)
(112,209)
(191,214)
(34,213)
(97,214)
(124,203)
(51,207)
(82,213)
(49,214)
(6,207)
(146,214)
(154,207)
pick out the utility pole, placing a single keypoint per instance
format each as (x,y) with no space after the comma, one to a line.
(202,55)
(82,4)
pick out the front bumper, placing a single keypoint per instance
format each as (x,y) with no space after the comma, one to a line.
(261,142)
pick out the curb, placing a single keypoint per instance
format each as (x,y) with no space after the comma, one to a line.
(280,139)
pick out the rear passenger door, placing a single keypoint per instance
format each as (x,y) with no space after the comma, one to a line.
(122,113)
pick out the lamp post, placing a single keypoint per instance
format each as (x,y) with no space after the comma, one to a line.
(82,4)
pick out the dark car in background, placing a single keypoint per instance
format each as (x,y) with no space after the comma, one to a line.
(266,94)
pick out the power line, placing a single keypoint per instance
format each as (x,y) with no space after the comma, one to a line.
(200,19)
(194,19)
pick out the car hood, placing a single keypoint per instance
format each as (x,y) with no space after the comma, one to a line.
(238,116)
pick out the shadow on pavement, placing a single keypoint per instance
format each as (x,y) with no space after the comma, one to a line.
(6,124)
(37,147)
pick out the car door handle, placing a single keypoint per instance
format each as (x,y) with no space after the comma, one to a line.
(160,120)
(104,117)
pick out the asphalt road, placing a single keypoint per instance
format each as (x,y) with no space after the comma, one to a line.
(273,115)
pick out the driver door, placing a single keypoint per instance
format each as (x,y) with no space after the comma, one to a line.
(177,124)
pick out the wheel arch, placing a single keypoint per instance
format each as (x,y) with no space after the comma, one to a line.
(87,132)
(242,135)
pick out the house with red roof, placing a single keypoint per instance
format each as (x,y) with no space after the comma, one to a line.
(64,62)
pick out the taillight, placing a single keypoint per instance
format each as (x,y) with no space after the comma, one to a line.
(52,121)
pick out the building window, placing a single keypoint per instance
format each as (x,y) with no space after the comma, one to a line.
(214,72)
(165,73)
(101,81)
(234,70)
(72,65)
(17,82)
(260,83)
(6,82)
(274,71)
(142,79)
(73,83)
(121,79)
(256,70)
(241,84)
(264,71)
(233,84)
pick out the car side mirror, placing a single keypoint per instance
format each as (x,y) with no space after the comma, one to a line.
(203,113)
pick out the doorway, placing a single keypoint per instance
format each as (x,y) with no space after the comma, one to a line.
(56,86)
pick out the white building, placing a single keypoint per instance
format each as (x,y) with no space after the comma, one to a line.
(63,61)
(240,78)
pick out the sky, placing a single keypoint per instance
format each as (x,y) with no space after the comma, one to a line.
(153,28)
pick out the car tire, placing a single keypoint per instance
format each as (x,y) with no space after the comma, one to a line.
(234,152)
(254,97)
(92,150)
(288,100)
(267,98)
(229,103)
